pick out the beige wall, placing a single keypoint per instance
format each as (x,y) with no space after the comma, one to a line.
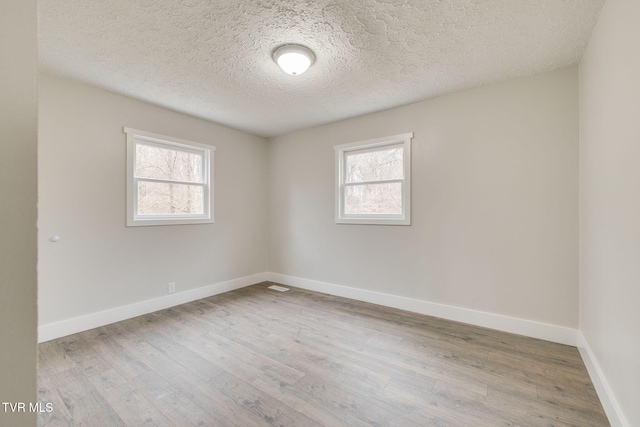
(494,203)
(99,263)
(610,203)
(18,138)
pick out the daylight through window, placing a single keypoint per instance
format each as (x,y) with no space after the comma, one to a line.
(168,180)
(373,181)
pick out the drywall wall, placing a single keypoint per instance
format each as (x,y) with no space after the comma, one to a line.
(610,207)
(18,198)
(99,263)
(494,218)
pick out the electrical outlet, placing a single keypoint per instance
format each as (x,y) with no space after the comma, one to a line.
(171,287)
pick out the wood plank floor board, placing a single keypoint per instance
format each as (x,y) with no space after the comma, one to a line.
(181,355)
(288,353)
(267,408)
(390,401)
(306,403)
(143,351)
(270,319)
(379,363)
(423,368)
(49,392)
(310,319)
(309,354)
(85,405)
(174,405)
(513,373)
(52,358)
(363,405)
(339,318)
(227,361)
(537,412)
(458,390)
(113,354)
(196,338)
(243,327)
(218,405)
(256,357)
(463,409)
(329,341)
(389,319)
(261,361)
(538,364)
(428,418)
(126,401)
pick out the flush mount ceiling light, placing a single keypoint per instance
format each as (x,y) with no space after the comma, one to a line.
(294,59)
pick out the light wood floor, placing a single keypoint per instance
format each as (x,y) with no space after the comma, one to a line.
(256,357)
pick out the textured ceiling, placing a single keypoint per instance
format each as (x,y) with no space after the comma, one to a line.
(212,58)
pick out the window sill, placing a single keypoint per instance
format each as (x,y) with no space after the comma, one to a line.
(374,221)
(172,221)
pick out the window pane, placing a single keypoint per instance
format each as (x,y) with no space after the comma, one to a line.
(166,163)
(373,199)
(158,198)
(379,165)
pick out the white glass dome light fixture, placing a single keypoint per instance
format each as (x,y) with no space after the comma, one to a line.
(294,59)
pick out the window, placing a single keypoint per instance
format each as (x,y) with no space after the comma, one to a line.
(373,181)
(168,180)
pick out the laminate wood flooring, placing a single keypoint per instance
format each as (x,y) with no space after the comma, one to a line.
(258,357)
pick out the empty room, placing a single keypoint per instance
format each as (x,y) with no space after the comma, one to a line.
(320,213)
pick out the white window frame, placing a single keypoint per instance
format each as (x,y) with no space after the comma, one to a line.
(403,140)
(207,151)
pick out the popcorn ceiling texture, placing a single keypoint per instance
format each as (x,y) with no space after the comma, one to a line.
(212,58)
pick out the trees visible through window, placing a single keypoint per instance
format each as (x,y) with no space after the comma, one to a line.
(168,180)
(373,181)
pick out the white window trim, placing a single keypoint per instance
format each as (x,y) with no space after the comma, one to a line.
(403,139)
(207,151)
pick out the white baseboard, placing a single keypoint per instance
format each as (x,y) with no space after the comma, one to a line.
(514,325)
(608,400)
(530,328)
(82,323)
